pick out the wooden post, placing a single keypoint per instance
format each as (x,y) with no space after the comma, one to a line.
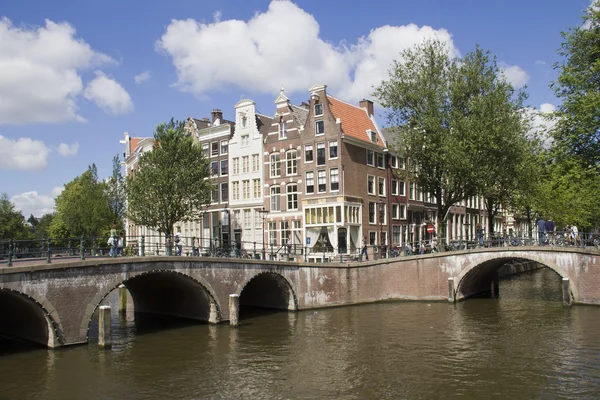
(451,290)
(566,292)
(234,309)
(104,336)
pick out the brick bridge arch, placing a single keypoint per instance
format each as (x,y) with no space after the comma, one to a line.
(195,283)
(272,299)
(483,267)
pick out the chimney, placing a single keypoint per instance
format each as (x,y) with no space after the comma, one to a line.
(368,105)
(217,114)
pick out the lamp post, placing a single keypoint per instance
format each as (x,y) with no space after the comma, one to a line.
(381,215)
(263,211)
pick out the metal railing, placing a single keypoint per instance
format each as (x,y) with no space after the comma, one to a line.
(18,251)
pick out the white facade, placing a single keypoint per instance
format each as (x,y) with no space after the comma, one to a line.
(246,188)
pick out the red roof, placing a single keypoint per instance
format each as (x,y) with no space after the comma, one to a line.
(355,120)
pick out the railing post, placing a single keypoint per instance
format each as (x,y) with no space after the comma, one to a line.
(69,248)
(82,249)
(305,253)
(254,255)
(193,246)
(48,251)
(10,254)
(143,247)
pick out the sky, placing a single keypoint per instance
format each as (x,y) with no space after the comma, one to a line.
(75,75)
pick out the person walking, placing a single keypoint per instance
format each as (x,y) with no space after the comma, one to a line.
(120,244)
(112,244)
(550,230)
(178,242)
(574,234)
(364,249)
(480,234)
(541,226)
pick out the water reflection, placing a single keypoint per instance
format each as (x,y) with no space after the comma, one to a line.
(522,345)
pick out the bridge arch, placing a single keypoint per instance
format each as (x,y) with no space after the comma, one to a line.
(484,269)
(30,318)
(162,292)
(268,289)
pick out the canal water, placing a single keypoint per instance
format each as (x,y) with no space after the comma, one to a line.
(523,345)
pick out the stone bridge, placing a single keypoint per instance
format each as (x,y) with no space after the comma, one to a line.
(54,304)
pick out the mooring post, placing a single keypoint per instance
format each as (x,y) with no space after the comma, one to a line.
(566,292)
(451,290)
(122,299)
(234,309)
(213,317)
(104,336)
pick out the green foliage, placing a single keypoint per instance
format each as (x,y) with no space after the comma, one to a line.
(43,226)
(173,181)
(115,191)
(12,222)
(577,131)
(82,208)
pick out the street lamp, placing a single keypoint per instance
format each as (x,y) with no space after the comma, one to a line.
(381,215)
(263,211)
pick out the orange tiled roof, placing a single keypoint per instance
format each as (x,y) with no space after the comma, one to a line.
(355,121)
(133,143)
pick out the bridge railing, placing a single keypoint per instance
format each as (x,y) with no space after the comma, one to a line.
(48,249)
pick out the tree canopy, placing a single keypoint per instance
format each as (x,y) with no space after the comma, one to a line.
(12,222)
(172,183)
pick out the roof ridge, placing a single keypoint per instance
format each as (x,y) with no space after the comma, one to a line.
(345,102)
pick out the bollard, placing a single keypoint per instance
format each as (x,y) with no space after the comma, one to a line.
(451,290)
(104,336)
(82,249)
(234,309)
(122,299)
(566,292)
(143,247)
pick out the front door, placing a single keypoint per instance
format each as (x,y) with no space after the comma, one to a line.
(342,240)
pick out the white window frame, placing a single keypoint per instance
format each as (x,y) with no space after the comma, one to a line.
(374,191)
(283,130)
(309,147)
(275,165)
(321,174)
(317,124)
(318,107)
(224,145)
(291,162)
(333,180)
(275,198)
(381,192)
(372,153)
(310,179)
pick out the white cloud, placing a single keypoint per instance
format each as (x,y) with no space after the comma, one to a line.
(515,75)
(39,72)
(142,77)
(541,123)
(66,150)
(34,203)
(108,95)
(587,24)
(282,46)
(23,154)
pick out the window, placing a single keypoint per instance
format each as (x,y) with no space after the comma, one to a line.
(246,190)
(285,231)
(320,153)
(245,164)
(402,188)
(403,211)
(291,157)
(401,163)
(381,186)
(214,149)
(411,192)
(255,163)
(236,165)
(205,150)
(275,165)
(373,137)
(371,212)
(319,127)
(224,167)
(256,189)
(283,130)
(318,109)
(334,179)
(214,198)
(380,161)
(396,234)
(310,182)
(292,197)
(394,187)
(224,192)
(333,149)
(322,180)
(224,147)
(370,184)
(419,194)
(247,218)
(395,211)
(273,233)
(372,238)
(236,190)
(370,158)
(275,200)
(214,168)
(394,161)
(308,153)
(244,121)
(245,140)
(258,223)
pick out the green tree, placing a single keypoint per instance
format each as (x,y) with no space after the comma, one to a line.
(577,130)
(83,206)
(115,191)
(428,99)
(173,181)
(43,226)
(12,222)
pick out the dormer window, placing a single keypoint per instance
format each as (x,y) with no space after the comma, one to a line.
(244,121)
(318,109)
(282,130)
(373,137)
(319,127)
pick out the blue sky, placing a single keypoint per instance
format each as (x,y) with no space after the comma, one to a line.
(68,86)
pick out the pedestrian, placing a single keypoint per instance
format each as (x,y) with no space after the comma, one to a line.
(480,234)
(541,226)
(550,230)
(178,243)
(574,234)
(364,249)
(111,243)
(196,247)
(120,244)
